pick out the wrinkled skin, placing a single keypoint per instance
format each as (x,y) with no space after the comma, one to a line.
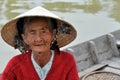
(38,36)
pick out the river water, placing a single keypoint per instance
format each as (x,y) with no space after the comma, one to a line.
(91,18)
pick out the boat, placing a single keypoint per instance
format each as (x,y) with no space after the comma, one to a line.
(98,58)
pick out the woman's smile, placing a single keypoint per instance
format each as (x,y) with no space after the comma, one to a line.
(39,45)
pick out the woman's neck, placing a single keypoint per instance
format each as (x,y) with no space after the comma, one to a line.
(42,58)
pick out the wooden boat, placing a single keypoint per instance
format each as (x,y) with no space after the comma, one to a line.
(101,54)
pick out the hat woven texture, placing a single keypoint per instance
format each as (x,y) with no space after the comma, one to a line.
(9,30)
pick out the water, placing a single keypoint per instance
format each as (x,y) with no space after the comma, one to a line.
(91,18)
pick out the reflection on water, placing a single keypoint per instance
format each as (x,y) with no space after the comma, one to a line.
(92,7)
(115,12)
(91,18)
(61,6)
(11,8)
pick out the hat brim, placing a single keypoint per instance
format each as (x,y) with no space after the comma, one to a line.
(9,30)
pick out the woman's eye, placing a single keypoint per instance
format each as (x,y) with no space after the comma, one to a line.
(43,31)
(32,32)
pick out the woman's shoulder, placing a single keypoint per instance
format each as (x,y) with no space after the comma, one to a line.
(19,58)
(15,62)
(66,56)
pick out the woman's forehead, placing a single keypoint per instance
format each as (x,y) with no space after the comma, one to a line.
(32,19)
(47,23)
(37,27)
(42,22)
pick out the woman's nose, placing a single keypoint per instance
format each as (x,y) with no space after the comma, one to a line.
(38,37)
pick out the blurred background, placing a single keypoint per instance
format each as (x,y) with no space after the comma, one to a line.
(91,18)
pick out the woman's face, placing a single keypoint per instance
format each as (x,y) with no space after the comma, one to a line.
(38,36)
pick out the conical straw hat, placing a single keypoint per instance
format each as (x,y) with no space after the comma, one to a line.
(9,30)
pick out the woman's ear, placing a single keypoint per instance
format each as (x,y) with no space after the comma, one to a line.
(54,32)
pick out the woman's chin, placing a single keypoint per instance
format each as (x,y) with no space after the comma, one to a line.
(40,50)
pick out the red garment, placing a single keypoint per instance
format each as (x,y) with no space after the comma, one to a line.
(21,68)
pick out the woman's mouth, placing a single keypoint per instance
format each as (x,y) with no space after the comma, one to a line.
(39,44)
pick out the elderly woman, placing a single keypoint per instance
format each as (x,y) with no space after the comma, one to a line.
(39,34)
